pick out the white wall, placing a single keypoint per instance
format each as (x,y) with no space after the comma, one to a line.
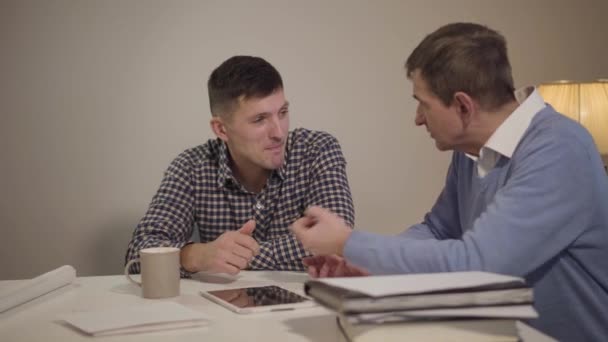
(96,97)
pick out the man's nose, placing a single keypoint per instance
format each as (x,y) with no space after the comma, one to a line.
(276,131)
(419,119)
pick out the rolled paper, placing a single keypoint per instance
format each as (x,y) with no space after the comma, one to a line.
(33,288)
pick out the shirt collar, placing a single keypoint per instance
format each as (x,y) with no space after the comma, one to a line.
(506,137)
(224,172)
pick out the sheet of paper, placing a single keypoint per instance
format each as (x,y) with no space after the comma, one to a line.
(30,289)
(377,286)
(132,319)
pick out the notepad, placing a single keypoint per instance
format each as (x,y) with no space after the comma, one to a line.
(136,319)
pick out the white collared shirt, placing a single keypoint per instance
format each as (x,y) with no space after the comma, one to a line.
(507,136)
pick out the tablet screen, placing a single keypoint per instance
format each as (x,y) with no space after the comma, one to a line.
(248,297)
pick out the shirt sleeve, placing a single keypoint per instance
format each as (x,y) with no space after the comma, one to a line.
(543,207)
(329,189)
(169,220)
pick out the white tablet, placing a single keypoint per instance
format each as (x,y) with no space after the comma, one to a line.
(258,299)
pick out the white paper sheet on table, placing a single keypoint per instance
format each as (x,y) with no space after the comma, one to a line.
(136,319)
(30,289)
(419,283)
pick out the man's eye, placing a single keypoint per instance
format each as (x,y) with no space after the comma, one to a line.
(258,119)
(284,113)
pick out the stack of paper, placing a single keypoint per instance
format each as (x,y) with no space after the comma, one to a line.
(463,305)
(136,319)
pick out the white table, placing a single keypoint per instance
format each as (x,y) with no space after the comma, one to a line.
(38,320)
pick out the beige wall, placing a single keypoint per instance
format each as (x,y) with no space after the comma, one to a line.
(97,97)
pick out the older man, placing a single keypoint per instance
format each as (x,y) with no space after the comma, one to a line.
(526,193)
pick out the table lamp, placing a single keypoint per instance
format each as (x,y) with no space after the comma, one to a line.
(585,102)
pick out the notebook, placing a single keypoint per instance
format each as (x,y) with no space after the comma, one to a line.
(418,291)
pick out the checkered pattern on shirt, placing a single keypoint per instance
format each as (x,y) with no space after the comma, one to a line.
(199,190)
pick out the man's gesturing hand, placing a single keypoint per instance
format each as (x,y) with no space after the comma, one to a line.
(229,253)
(321,232)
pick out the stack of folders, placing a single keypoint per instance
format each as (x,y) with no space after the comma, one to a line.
(454,306)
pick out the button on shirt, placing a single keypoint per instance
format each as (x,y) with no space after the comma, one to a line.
(199,191)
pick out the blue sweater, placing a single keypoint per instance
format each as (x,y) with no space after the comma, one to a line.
(541,215)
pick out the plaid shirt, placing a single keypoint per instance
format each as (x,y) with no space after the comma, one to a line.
(199,190)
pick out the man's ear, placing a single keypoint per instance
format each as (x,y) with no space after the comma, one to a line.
(219,128)
(466,107)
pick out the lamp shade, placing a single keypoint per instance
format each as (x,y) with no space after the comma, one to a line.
(586,103)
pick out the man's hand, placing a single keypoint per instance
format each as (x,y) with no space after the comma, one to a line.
(332,266)
(229,253)
(321,232)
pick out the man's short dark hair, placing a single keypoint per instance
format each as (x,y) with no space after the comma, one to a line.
(240,77)
(465,57)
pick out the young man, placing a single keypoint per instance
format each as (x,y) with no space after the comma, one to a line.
(243,189)
(525,194)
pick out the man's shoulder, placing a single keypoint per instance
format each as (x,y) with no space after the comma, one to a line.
(308,140)
(554,141)
(310,150)
(199,156)
(549,119)
(550,128)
